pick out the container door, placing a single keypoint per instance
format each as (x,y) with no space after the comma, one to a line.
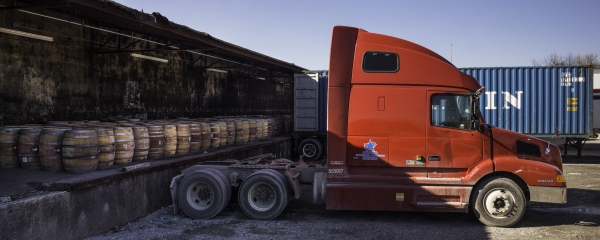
(386,128)
(450,141)
(306,105)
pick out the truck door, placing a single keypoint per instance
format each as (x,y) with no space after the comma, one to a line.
(385,126)
(450,140)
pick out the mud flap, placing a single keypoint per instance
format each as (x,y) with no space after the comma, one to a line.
(174,185)
(293,179)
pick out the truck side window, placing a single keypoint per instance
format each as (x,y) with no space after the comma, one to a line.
(381,62)
(450,111)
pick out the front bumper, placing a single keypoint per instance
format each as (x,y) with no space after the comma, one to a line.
(548,194)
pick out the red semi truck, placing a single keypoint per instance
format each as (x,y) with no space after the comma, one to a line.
(404,133)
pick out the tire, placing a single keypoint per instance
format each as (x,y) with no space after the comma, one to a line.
(227,185)
(319,188)
(263,195)
(202,194)
(498,202)
(283,180)
(311,149)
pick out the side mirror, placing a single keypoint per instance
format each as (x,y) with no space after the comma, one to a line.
(477,126)
(481,127)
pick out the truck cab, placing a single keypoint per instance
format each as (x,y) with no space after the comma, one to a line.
(405,134)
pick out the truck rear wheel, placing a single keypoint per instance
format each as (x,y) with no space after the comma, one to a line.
(202,194)
(499,202)
(263,195)
(310,148)
(228,190)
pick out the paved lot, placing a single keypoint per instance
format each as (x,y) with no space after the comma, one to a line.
(578,219)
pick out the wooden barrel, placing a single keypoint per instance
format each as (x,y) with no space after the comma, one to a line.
(239,130)
(270,127)
(259,129)
(230,131)
(224,134)
(124,145)
(265,128)
(183,138)
(251,130)
(51,158)
(215,135)
(106,143)
(195,137)
(205,136)
(8,160)
(170,132)
(29,151)
(142,143)
(9,141)
(157,141)
(80,150)
(246,131)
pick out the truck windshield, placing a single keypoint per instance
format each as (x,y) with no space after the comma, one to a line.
(452,111)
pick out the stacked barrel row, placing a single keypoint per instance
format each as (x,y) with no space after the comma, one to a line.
(83,146)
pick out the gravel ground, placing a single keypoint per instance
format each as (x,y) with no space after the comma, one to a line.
(578,219)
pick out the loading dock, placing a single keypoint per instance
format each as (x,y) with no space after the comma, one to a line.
(47,205)
(89,60)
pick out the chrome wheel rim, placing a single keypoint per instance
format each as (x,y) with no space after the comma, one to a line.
(499,203)
(262,197)
(309,150)
(200,196)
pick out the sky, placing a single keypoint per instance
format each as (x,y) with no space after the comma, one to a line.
(473,33)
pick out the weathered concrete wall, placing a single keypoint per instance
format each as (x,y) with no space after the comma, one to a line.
(65,79)
(111,201)
(34,217)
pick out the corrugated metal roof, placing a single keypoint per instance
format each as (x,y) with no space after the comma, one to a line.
(122,16)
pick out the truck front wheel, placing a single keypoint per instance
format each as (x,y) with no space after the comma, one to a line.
(499,202)
(311,149)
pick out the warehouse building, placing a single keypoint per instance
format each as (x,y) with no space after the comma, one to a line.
(84,63)
(98,59)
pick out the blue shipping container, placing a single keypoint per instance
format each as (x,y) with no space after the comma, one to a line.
(310,102)
(537,100)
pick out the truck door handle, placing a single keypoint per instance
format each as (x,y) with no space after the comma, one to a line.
(433,158)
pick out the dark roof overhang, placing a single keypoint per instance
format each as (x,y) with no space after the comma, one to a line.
(156,25)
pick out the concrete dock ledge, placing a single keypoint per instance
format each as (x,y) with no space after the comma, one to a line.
(45,205)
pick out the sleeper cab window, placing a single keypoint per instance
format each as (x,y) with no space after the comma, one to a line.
(451,111)
(384,62)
